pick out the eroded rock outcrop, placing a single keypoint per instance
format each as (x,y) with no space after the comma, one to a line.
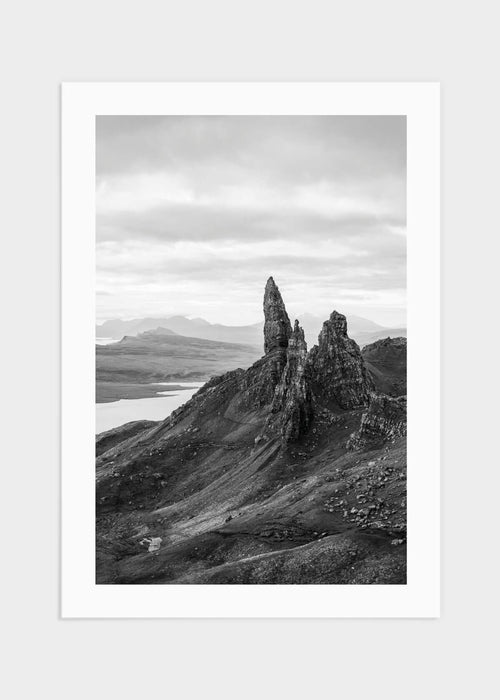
(337,366)
(277,326)
(384,420)
(292,397)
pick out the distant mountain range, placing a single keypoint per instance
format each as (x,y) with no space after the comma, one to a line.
(361,329)
(190,327)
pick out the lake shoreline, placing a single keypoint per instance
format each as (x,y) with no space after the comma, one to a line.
(110,392)
(157,406)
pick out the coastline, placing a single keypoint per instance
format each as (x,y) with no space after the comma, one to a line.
(109,392)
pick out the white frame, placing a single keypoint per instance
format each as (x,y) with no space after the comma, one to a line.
(81,597)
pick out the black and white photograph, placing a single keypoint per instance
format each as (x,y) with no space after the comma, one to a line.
(250,349)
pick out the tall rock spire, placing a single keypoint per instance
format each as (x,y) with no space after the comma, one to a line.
(277,327)
(292,397)
(338,367)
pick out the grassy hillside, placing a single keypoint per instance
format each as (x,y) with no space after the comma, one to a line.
(386,363)
(228,511)
(156,356)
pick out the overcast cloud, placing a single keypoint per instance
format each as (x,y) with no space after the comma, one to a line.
(195,213)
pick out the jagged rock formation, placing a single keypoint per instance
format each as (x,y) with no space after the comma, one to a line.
(337,365)
(384,420)
(385,362)
(250,481)
(292,397)
(277,327)
(262,378)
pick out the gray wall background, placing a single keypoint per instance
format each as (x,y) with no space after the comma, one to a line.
(46,43)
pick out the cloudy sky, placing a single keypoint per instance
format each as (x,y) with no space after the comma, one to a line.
(195,213)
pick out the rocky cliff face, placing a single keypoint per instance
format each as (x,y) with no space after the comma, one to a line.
(337,365)
(384,420)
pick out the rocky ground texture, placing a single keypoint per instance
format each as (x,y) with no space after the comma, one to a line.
(292,471)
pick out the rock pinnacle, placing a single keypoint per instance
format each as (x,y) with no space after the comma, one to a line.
(338,366)
(277,327)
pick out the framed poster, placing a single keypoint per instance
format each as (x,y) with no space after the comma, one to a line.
(250,327)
